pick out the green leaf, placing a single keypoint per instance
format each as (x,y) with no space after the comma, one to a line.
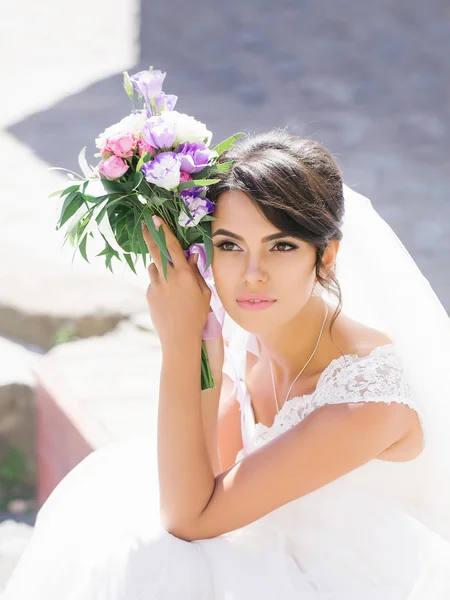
(146,157)
(103,252)
(212,171)
(80,238)
(181,235)
(132,228)
(206,173)
(71,204)
(130,262)
(68,190)
(144,260)
(156,196)
(108,262)
(155,235)
(155,200)
(207,240)
(58,193)
(192,183)
(69,199)
(112,254)
(220,148)
(85,168)
(163,258)
(120,226)
(101,214)
(82,248)
(140,237)
(224,167)
(125,187)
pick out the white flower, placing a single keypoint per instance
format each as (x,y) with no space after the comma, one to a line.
(187,128)
(163,171)
(131,124)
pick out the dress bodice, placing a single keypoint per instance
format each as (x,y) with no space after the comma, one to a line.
(376,377)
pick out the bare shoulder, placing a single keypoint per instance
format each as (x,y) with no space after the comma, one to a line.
(354,337)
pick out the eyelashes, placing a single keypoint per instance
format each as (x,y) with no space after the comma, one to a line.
(222,246)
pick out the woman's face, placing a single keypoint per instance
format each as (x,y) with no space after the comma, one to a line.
(283,269)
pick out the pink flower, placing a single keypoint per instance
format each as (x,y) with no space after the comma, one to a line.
(113,167)
(121,144)
(184,177)
(143,146)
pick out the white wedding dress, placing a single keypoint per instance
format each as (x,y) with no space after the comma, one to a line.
(361,537)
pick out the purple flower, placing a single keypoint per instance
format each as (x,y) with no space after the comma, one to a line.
(199,207)
(159,132)
(194,156)
(148,83)
(193,192)
(165,102)
(163,171)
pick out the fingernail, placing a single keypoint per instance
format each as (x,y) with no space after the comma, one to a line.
(156,220)
(196,258)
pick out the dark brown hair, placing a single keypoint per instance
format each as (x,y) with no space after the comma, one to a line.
(296,184)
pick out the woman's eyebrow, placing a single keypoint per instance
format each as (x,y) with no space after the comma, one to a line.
(268,238)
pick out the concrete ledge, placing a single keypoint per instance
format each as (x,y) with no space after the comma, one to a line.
(54,299)
(91,393)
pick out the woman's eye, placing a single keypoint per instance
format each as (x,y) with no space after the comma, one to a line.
(223,246)
(287,247)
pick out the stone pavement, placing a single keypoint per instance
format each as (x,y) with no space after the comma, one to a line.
(48,53)
(370,80)
(41,292)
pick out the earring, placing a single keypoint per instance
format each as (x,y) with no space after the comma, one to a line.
(317,289)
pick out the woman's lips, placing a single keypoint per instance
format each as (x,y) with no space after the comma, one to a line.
(247,305)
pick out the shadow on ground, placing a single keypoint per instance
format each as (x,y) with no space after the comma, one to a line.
(369,81)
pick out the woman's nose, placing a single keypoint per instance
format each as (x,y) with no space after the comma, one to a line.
(255,271)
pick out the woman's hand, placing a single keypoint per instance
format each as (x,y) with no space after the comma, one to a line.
(180,306)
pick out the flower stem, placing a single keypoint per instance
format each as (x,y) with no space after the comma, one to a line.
(207,380)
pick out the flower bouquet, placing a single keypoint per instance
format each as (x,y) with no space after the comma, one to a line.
(155,161)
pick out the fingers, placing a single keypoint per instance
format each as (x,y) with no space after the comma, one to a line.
(173,245)
(199,277)
(153,273)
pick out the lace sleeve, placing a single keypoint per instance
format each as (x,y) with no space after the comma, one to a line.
(377,377)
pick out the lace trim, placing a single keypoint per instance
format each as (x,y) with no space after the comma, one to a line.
(376,377)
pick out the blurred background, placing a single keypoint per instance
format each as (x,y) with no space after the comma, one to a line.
(79,363)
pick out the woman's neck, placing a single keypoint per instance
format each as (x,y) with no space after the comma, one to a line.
(291,346)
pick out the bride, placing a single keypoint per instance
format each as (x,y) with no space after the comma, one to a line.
(324,473)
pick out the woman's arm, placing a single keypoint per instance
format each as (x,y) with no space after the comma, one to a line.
(186,475)
(179,302)
(229,434)
(329,443)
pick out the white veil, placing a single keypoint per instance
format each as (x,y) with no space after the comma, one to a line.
(383,287)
